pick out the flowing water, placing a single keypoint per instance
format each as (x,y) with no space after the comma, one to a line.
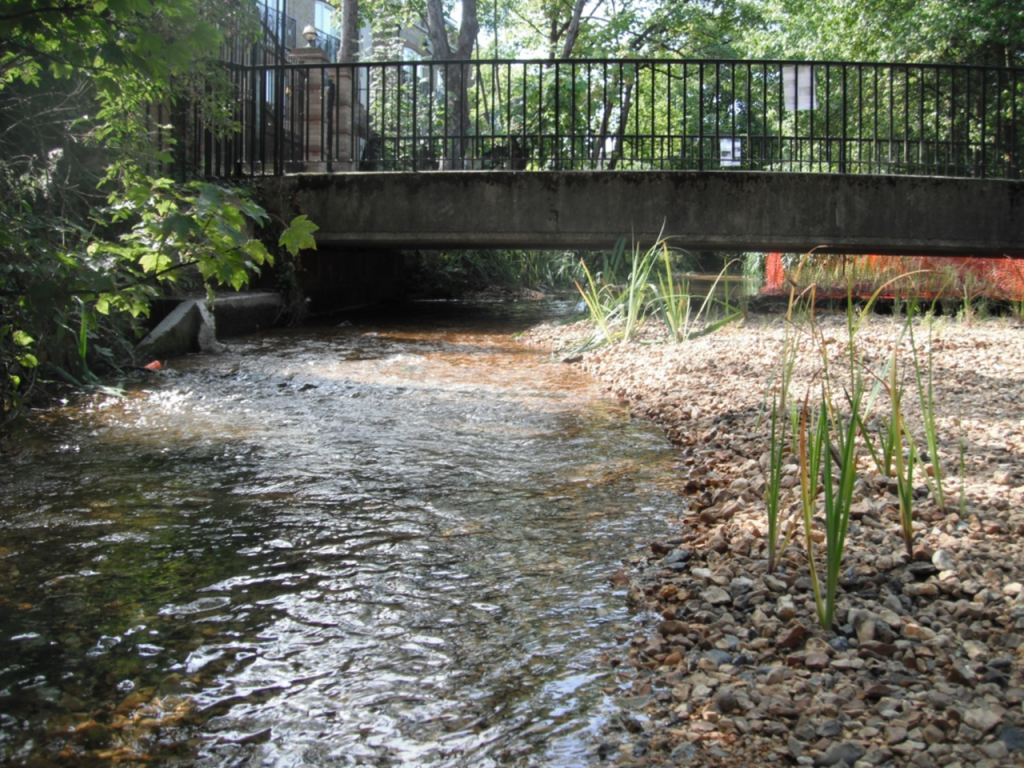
(386,543)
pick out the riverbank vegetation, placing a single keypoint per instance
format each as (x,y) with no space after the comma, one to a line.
(850,541)
(94,218)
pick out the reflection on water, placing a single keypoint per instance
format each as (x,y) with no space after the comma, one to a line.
(385,543)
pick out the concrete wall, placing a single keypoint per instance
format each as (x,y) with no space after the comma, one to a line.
(699,210)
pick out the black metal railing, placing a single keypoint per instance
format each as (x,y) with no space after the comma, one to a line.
(624,115)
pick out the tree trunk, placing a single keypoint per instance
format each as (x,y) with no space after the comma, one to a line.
(349,31)
(573,32)
(456,75)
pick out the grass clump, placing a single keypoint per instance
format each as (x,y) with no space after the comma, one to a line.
(828,429)
(652,289)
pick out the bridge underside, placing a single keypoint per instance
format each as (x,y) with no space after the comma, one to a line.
(714,211)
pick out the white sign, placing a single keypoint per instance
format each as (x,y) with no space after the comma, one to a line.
(798,87)
(730,152)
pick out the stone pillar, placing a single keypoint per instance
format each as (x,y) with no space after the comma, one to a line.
(327,125)
(311,112)
(343,157)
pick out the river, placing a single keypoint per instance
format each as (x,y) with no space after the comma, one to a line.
(388,542)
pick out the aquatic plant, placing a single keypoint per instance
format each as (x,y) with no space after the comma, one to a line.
(620,309)
(924,377)
(783,423)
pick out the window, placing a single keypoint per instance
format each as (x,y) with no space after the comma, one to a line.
(324,20)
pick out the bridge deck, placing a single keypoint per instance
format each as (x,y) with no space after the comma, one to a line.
(735,211)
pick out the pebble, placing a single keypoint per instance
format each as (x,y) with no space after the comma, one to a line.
(924,665)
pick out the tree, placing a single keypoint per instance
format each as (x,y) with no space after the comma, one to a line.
(90,225)
(988,32)
(349,31)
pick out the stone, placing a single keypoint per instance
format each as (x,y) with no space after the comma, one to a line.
(785,608)
(725,700)
(994,750)
(791,637)
(864,623)
(816,661)
(913,631)
(845,752)
(982,719)
(673,627)
(894,734)
(829,729)
(716,596)
(1013,738)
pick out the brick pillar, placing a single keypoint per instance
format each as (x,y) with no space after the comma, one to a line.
(313,129)
(343,157)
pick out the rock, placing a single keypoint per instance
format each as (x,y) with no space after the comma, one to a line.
(680,556)
(913,631)
(922,570)
(673,627)
(982,719)
(1002,477)
(894,734)
(816,661)
(725,700)
(791,637)
(785,608)
(716,596)
(1013,738)
(829,729)
(943,561)
(994,750)
(846,752)
(864,624)
(683,754)
(928,589)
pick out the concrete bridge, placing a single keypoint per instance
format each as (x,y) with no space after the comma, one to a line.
(700,210)
(717,155)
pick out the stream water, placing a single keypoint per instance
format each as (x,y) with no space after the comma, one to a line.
(386,543)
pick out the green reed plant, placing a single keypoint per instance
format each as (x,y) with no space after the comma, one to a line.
(673,298)
(903,467)
(774,501)
(823,442)
(638,287)
(618,310)
(827,438)
(598,298)
(783,421)
(962,506)
(924,378)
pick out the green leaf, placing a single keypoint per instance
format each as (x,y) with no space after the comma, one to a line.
(299,235)
(154,261)
(22,339)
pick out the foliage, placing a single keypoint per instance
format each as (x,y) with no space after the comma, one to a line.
(619,303)
(90,223)
(934,31)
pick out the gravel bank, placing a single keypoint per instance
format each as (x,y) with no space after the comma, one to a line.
(925,665)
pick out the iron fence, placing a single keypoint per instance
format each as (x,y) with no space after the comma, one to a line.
(631,115)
